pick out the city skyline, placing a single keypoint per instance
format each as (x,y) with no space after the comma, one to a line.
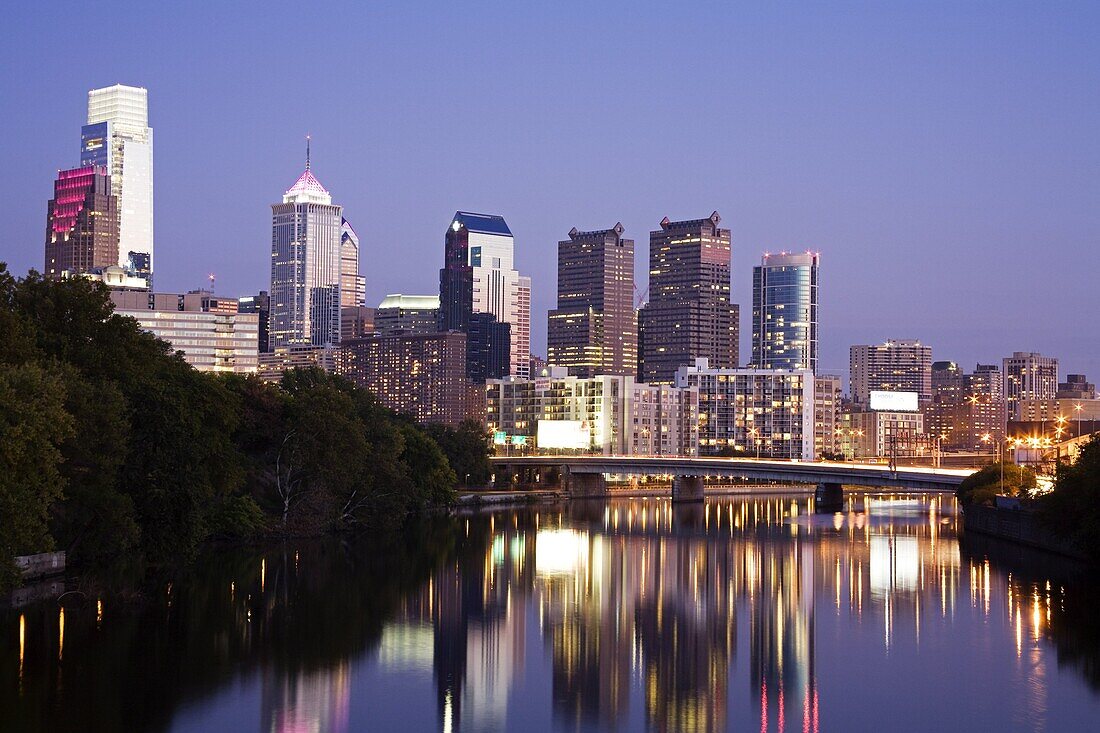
(893,226)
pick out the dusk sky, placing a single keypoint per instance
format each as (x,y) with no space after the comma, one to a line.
(944,158)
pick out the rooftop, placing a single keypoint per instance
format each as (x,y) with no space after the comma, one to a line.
(483,223)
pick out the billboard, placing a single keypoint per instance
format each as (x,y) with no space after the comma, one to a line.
(568,434)
(893,401)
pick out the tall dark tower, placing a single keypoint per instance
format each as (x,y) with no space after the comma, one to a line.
(689,314)
(81,223)
(594,329)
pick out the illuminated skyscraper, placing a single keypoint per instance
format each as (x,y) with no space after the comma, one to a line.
(478,276)
(892,366)
(689,315)
(784,312)
(353,286)
(82,223)
(594,329)
(118,138)
(306,231)
(1028,376)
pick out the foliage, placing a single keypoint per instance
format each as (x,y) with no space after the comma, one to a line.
(980,487)
(1072,509)
(467,448)
(111,445)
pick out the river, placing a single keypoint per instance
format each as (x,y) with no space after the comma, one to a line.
(743,613)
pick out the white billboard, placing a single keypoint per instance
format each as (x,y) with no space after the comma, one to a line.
(893,401)
(568,434)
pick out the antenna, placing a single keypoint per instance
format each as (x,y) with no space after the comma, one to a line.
(307,151)
(211,276)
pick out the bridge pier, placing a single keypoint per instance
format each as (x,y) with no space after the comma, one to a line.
(828,498)
(584,485)
(687,488)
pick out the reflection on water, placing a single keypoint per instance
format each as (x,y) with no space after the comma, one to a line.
(741,613)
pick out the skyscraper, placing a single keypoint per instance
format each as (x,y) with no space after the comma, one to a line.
(594,329)
(81,223)
(353,286)
(1028,376)
(784,312)
(893,366)
(689,314)
(478,276)
(118,138)
(306,230)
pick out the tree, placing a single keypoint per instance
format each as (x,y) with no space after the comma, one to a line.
(33,425)
(1072,509)
(982,486)
(432,477)
(468,448)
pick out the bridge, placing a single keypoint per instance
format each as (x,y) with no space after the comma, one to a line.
(585,476)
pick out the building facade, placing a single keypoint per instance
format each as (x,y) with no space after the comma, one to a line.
(827,405)
(609,415)
(210,332)
(353,286)
(1028,376)
(594,329)
(118,137)
(479,276)
(766,413)
(422,375)
(893,366)
(883,434)
(260,304)
(689,314)
(81,223)
(1076,387)
(967,411)
(408,313)
(784,312)
(306,262)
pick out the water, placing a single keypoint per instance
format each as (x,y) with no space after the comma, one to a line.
(740,614)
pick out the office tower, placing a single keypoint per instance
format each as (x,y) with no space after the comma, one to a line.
(611,415)
(689,314)
(353,286)
(487,348)
(418,374)
(478,276)
(407,313)
(210,331)
(784,312)
(594,329)
(306,230)
(118,138)
(260,304)
(753,412)
(893,366)
(966,412)
(81,223)
(356,321)
(1028,376)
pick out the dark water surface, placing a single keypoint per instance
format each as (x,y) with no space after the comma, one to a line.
(745,614)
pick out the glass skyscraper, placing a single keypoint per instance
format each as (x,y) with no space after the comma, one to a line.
(306,230)
(784,312)
(119,139)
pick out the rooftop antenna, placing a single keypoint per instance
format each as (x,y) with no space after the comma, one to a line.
(307,151)
(211,276)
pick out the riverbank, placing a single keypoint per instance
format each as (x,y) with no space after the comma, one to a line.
(1019,526)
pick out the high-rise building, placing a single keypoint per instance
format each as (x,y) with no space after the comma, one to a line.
(81,223)
(420,374)
(210,331)
(784,312)
(594,329)
(753,412)
(306,231)
(353,286)
(827,390)
(611,415)
(1028,376)
(893,366)
(260,304)
(356,321)
(408,313)
(118,138)
(966,412)
(479,276)
(689,314)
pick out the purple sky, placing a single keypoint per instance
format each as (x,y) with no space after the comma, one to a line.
(945,160)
